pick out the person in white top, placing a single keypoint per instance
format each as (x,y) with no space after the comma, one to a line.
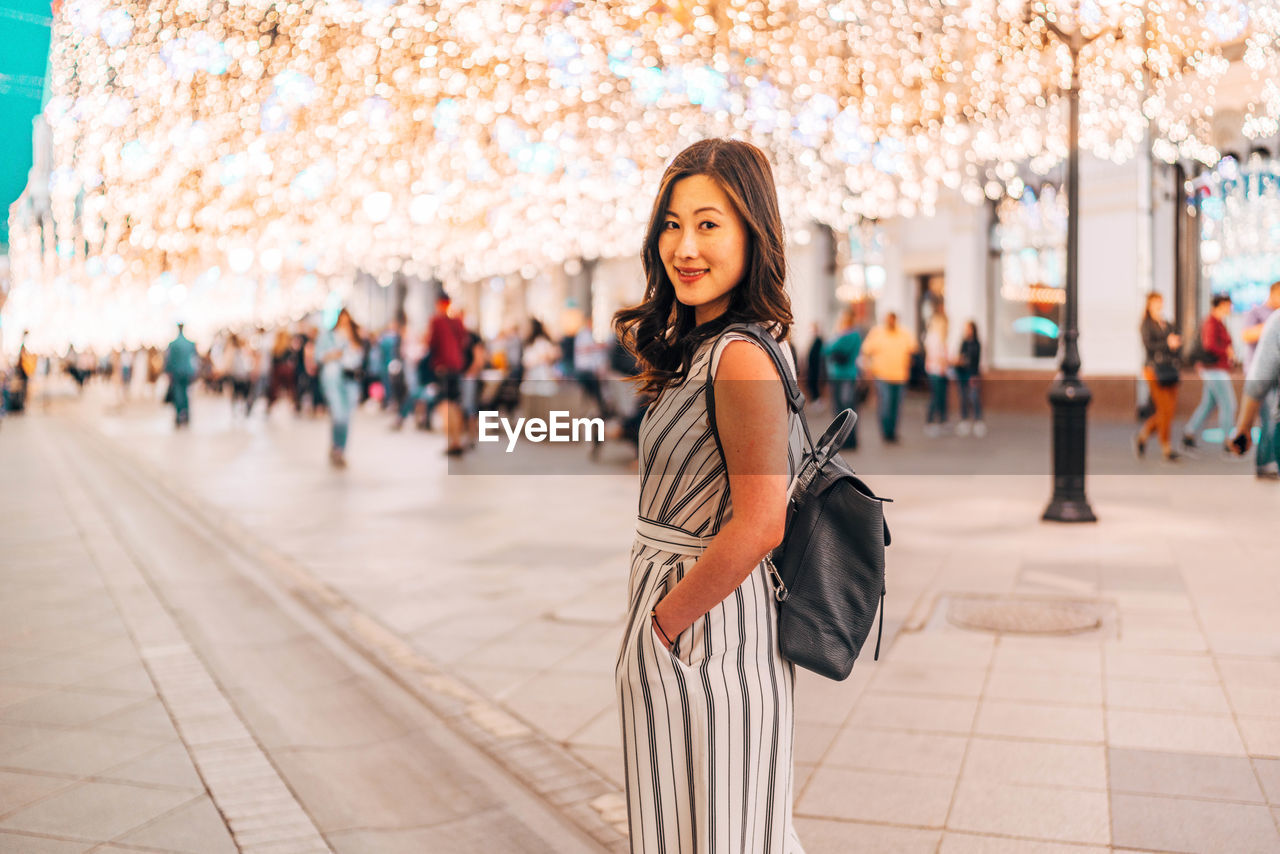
(936,365)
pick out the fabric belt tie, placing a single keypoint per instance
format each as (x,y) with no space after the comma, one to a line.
(669,538)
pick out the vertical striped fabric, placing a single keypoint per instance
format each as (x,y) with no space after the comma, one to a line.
(707,730)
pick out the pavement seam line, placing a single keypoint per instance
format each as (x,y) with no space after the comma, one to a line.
(182,681)
(487,725)
(1235,718)
(969,739)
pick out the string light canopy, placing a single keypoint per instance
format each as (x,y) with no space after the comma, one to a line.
(238,159)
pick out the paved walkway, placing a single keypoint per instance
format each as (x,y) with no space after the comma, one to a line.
(161,692)
(1159,733)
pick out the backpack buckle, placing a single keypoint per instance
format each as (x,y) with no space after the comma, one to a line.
(779,587)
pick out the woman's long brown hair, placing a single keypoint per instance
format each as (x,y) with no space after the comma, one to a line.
(661,332)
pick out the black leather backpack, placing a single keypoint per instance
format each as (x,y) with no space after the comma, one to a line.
(828,573)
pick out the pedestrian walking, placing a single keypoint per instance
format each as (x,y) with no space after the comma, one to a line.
(937,363)
(1261,389)
(1160,369)
(887,354)
(262,344)
(447,341)
(23,370)
(155,369)
(282,383)
(589,361)
(340,352)
(237,365)
(969,383)
(474,357)
(390,364)
(815,366)
(126,373)
(1265,458)
(301,379)
(1217,354)
(539,359)
(408,388)
(180,365)
(842,370)
(709,764)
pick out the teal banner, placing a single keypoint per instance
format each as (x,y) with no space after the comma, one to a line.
(24,59)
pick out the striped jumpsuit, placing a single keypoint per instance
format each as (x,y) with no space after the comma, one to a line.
(707,730)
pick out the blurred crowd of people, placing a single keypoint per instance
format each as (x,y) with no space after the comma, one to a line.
(1212,353)
(860,360)
(446,372)
(315,369)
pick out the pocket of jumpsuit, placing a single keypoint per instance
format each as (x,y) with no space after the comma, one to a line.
(689,648)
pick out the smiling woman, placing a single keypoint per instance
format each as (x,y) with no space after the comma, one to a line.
(703,246)
(705,695)
(735,178)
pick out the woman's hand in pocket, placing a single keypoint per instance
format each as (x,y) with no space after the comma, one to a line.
(660,632)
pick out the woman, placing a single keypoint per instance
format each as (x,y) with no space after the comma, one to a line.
(1161,344)
(237,366)
(936,365)
(969,382)
(340,352)
(282,361)
(706,698)
(539,358)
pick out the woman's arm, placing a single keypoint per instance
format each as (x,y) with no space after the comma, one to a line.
(751,413)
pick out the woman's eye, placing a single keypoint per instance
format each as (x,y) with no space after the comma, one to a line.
(670,224)
(710,224)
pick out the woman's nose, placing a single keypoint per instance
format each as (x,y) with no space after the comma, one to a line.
(688,245)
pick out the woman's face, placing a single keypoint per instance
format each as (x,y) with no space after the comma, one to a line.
(1155,307)
(703,246)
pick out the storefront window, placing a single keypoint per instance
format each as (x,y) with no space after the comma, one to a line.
(864,272)
(1028,268)
(1239,228)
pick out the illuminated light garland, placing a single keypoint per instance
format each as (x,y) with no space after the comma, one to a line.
(1239,211)
(237,161)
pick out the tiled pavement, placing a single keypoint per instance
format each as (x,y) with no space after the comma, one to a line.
(156,694)
(89,756)
(1161,733)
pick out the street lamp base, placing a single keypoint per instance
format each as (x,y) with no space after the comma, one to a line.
(1069,399)
(1069,510)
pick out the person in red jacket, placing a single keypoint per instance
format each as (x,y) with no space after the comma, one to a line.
(1215,373)
(446,353)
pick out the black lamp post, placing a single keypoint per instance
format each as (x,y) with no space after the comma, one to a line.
(1068,395)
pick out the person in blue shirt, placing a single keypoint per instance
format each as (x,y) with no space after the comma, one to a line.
(1261,384)
(842,370)
(390,365)
(1255,319)
(180,365)
(340,352)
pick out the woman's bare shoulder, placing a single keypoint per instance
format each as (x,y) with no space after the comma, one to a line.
(743,359)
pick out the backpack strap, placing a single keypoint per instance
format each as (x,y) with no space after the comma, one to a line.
(795,397)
